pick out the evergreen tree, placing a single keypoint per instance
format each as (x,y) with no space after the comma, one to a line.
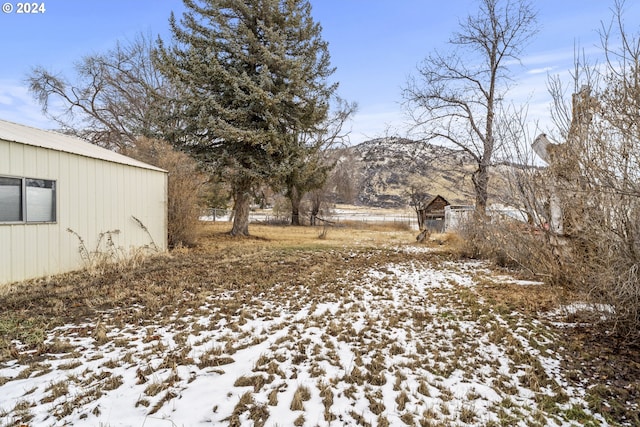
(252,75)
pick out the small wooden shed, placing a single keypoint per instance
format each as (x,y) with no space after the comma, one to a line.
(431,217)
(56,189)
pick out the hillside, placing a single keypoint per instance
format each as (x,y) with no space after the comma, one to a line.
(382,172)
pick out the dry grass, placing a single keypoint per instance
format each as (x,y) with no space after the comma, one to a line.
(301,395)
(399,334)
(263,237)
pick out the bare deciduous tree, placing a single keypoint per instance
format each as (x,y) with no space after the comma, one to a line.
(455,95)
(114,98)
(310,169)
(344,180)
(418,200)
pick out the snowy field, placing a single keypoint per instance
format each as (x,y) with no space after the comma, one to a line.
(341,214)
(398,338)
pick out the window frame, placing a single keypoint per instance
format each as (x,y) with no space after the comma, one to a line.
(24,202)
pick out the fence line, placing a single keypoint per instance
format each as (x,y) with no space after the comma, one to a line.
(337,217)
(454,217)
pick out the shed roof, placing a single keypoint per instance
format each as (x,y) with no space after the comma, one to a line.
(52,140)
(435,200)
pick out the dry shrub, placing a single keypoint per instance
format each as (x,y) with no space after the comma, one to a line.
(186,185)
(510,244)
(450,239)
(107,256)
(607,263)
(590,195)
(601,263)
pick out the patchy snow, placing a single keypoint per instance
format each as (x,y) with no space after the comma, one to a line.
(560,315)
(415,249)
(400,344)
(512,281)
(577,307)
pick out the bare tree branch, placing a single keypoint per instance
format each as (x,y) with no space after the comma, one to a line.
(115,98)
(456,97)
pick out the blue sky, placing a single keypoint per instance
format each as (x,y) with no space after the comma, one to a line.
(375,45)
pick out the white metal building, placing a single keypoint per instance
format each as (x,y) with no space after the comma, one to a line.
(51,183)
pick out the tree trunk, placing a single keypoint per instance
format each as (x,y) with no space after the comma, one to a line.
(295,197)
(315,209)
(419,213)
(295,215)
(241,214)
(480,180)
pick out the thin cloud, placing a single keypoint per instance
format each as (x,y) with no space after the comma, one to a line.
(377,121)
(543,70)
(17,105)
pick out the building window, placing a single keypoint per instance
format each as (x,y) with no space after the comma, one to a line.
(10,199)
(27,200)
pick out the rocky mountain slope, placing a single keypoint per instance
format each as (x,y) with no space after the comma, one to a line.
(384,172)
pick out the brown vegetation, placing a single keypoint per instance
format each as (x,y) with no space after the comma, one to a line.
(291,267)
(185,188)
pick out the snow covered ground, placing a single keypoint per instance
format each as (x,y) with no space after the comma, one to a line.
(398,343)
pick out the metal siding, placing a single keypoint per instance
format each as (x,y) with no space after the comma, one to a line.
(5,231)
(138,208)
(134,201)
(68,211)
(53,248)
(5,160)
(42,164)
(127,197)
(50,140)
(116,186)
(113,186)
(29,160)
(92,196)
(80,202)
(42,261)
(6,252)
(40,232)
(15,233)
(164,211)
(98,198)
(158,209)
(103,187)
(113,207)
(18,251)
(16,154)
